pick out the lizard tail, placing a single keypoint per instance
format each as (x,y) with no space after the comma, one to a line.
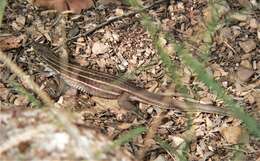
(198,107)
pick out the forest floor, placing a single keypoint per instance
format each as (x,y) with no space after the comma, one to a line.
(85,126)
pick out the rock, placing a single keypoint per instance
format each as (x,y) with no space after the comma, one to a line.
(244,74)
(57,141)
(248,45)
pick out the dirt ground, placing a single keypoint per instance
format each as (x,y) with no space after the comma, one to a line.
(125,47)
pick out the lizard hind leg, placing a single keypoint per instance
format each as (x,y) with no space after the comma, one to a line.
(125,102)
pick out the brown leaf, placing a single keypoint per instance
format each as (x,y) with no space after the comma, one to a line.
(248,45)
(59,5)
(124,126)
(244,74)
(78,5)
(19,23)
(257,108)
(63,5)
(99,48)
(234,134)
(106,2)
(11,42)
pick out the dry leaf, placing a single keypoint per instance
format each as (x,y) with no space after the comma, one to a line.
(59,5)
(107,2)
(176,140)
(257,109)
(102,103)
(11,42)
(160,158)
(19,23)
(244,74)
(99,48)
(78,5)
(218,71)
(63,5)
(248,45)
(119,12)
(4,92)
(124,126)
(234,135)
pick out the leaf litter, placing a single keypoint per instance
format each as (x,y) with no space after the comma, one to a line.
(123,47)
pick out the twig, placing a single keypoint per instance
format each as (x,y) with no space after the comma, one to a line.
(113,19)
(230,47)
